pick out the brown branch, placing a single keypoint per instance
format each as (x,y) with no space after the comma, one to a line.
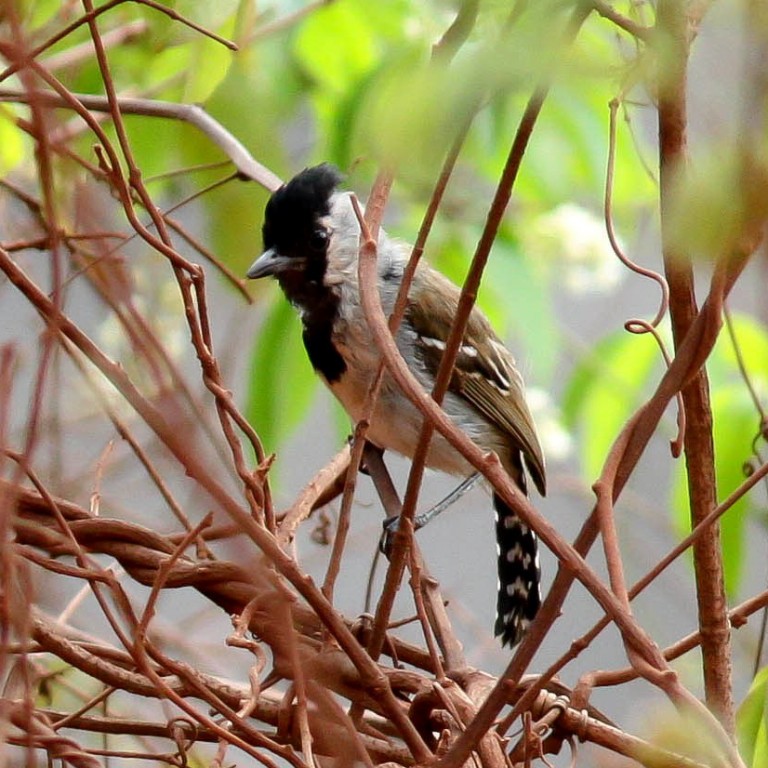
(576,723)
(114,38)
(607,11)
(39,734)
(141,552)
(347,498)
(328,734)
(673,35)
(113,539)
(610,229)
(191,281)
(737,618)
(691,355)
(402,550)
(193,114)
(465,305)
(91,15)
(313,495)
(138,329)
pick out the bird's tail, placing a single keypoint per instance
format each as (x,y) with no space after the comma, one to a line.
(519,594)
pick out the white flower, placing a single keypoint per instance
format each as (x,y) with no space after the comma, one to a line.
(573,240)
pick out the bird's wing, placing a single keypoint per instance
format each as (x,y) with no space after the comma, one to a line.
(484,374)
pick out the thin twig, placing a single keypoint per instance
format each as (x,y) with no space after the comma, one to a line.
(193,114)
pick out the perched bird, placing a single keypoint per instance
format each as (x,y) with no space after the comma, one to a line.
(311,242)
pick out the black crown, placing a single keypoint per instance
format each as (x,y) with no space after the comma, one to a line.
(296,206)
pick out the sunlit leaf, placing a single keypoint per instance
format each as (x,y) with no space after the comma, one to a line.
(11,141)
(40,12)
(409,116)
(171,63)
(211,62)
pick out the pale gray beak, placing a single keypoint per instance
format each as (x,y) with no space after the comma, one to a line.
(272,263)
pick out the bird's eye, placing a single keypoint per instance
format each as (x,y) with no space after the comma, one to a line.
(318,239)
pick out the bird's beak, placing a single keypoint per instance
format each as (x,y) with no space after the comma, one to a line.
(270,263)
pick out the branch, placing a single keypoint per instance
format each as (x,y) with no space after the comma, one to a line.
(193,114)
(673,29)
(607,11)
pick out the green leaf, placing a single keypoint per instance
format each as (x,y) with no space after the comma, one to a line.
(40,13)
(335,45)
(751,722)
(211,64)
(169,64)
(282,384)
(606,387)
(12,143)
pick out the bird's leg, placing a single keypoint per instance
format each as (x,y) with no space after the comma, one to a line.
(372,454)
(391,524)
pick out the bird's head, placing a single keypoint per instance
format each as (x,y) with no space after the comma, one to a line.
(296,227)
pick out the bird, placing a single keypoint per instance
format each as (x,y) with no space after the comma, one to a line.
(311,238)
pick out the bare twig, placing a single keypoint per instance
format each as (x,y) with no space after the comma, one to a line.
(673,29)
(193,114)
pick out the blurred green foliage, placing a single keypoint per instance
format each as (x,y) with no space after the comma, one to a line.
(736,427)
(752,722)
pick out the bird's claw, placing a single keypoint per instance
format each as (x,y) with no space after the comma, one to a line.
(390,528)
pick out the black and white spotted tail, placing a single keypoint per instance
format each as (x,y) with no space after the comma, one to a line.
(519,594)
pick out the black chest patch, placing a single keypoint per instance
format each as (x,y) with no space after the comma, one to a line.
(318,338)
(319,309)
(323,355)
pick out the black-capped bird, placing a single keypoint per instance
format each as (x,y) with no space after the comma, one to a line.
(311,242)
